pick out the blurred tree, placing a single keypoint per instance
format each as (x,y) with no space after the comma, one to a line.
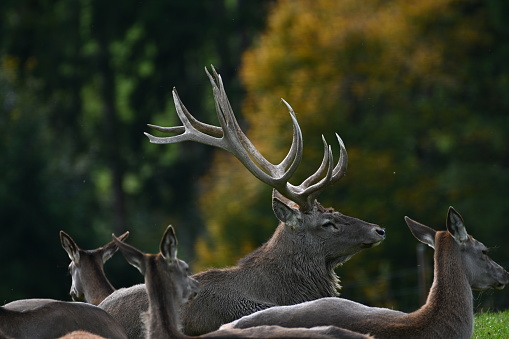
(82,79)
(417,92)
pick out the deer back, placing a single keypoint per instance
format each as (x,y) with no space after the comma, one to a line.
(47,318)
(126,305)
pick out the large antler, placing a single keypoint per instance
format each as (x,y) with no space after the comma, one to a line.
(231,138)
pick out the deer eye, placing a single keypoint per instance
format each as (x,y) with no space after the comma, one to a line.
(329,224)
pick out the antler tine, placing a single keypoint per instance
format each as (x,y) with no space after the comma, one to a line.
(295,152)
(176,129)
(319,171)
(192,130)
(339,170)
(342,165)
(278,174)
(307,192)
(202,127)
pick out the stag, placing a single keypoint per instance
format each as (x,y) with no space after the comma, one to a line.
(297,263)
(89,282)
(461,264)
(169,285)
(48,318)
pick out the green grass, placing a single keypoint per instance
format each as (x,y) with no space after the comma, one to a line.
(491,325)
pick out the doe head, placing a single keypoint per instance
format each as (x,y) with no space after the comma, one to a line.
(481,271)
(165,264)
(86,263)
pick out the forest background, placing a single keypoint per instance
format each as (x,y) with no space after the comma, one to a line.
(418,90)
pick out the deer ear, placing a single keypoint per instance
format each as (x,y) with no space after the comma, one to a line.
(455,226)
(287,212)
(421,232)
(132,255)
(70,247)
(110,248)
(169,244)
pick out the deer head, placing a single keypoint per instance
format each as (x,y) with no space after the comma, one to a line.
(89,283)
(481,271)
(293,205)
(176,271)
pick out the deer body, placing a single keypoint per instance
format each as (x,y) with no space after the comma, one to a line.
(169,286)
(297,263)
(461,264)
(126,305)
(89,282)
(47,318)
(292,267)
(277,273)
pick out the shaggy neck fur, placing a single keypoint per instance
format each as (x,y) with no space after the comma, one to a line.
(297,274)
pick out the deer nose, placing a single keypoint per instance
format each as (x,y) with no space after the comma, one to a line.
(381,232)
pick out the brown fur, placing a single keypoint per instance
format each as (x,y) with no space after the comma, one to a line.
(47,318)
(168,286)
(89,282)
(81,335)
(461,264)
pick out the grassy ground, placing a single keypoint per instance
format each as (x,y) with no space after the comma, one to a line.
(491,325)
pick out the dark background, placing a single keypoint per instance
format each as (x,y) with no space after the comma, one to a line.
(79,81)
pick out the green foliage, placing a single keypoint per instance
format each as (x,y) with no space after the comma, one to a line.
(79,82)
(416,91)
(491,325)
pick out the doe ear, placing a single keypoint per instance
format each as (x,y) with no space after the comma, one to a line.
(421,232)
(456,226)
(133,256)
(110,248)
(70,247)
(169,244)
(286,211)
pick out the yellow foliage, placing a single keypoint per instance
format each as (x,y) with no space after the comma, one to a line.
(363,69)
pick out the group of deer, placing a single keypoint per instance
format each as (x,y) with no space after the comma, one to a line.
(287,288)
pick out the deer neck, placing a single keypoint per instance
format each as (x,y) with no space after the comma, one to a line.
(298,274)
(449,307)
(99,288)
(161,319)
